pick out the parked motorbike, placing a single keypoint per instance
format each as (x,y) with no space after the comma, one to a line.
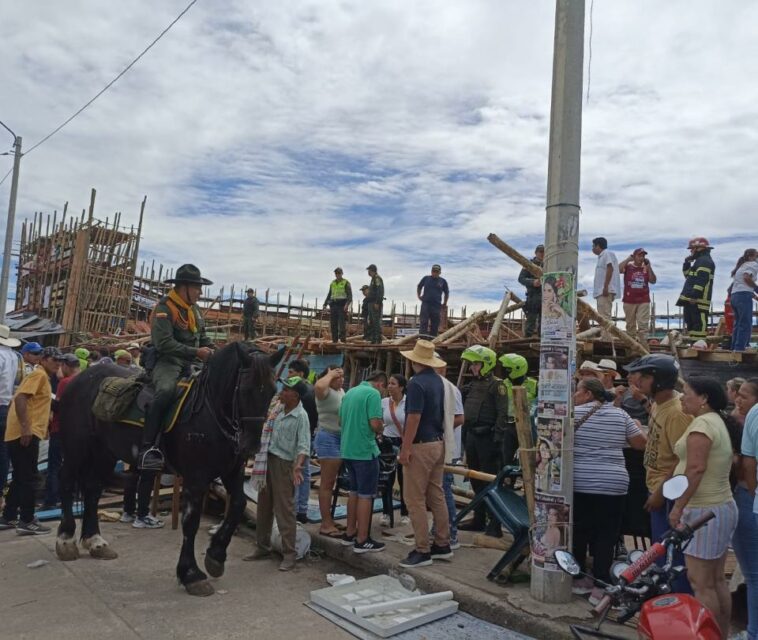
(641,586)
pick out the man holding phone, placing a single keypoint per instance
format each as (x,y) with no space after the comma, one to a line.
(638,276)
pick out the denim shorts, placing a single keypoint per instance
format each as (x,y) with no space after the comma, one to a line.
(327,445)
(364,477)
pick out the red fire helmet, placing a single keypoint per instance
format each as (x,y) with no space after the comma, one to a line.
(699,243)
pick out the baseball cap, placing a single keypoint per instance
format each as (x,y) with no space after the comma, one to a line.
(295,383)
(638,251)
(52,352)
(338,270)
(539,247)
(32,347)
(133,345)
(364,287)
(69,359)
(122,353)
(371,267)
(436,267)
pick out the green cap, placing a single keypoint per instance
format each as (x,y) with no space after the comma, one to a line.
(296,383)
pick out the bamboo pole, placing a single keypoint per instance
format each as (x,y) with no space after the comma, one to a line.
(526,447)
(495,331)
(460,328)
(604,323)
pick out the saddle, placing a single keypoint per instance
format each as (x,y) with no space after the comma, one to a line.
(126,400)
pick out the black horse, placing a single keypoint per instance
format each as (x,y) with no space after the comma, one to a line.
(218,428)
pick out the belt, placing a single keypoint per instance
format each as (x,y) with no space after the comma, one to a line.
(429,439)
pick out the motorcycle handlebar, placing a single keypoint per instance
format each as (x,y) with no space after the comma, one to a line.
(702,520)
(601,606)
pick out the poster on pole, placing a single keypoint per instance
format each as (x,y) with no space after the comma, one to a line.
(549,446)
(551,523)
(558,307)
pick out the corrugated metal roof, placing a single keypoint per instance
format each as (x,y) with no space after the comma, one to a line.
(25,324)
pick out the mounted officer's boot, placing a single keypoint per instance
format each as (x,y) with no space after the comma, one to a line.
(150,457)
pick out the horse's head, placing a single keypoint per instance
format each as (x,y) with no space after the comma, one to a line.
(256,389)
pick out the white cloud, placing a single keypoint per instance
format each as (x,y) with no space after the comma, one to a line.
(279,139)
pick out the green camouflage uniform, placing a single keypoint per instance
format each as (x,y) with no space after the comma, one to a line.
(375,298)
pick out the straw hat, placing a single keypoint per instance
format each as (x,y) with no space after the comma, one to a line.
(609,366)
(5,337)
(423,353)
(588,365)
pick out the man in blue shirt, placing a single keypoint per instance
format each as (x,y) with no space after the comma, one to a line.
(423,456)
(430,291)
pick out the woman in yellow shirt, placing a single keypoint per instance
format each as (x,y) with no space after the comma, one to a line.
(705,457)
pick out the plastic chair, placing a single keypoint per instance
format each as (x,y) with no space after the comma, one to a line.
(510,509)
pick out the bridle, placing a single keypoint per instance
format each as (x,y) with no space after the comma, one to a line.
(230,427)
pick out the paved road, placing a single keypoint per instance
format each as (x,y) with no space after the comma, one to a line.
(137,595)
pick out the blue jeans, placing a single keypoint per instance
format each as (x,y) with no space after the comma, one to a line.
(303,490)
(54,462)
(447,487)
(4,461)
(659,525)
(745,544)
(742,305)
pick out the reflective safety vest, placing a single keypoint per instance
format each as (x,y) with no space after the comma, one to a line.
(338,290)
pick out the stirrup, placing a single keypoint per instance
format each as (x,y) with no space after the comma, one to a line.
(151,460)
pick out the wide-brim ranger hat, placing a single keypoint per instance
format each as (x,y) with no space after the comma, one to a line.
(188,274)
(423,353)
(5,337)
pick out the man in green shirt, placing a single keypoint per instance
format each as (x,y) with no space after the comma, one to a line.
(360,422)
(177,331)
(288,449)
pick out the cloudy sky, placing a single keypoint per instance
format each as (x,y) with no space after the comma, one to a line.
(278,139)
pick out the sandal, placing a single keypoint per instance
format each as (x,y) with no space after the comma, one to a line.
(331,534)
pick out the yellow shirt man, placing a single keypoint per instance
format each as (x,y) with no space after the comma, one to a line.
(667,424)
(36,387)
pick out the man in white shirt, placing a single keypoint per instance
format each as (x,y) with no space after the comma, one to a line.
(8,370)
(607,283)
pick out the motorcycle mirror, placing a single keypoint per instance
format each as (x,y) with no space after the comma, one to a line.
(635,555)
(675,487)
(567,562)
(617,568)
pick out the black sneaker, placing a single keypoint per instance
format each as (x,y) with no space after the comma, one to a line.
(302,518)
(417,559)
(33,528)
(441,553)
(368,546)
(346,540)
(7,524)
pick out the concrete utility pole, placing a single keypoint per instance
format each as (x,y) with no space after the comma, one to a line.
(10,226)
(548,583)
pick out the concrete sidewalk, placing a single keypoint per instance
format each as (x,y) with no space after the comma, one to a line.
(509,605)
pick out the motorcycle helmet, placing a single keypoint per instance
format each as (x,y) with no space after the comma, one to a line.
(480,353)
(663,368)
(515,365)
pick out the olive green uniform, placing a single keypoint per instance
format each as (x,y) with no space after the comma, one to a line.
(176,348)
(375,298)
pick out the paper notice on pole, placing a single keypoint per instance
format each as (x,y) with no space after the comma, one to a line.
(551,522)
(558,307)
(549,447)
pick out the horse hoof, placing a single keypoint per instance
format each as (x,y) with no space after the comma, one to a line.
(214,567)
(200,588)
(103,553)
(66,550)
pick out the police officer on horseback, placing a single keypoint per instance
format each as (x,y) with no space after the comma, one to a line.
(178,335)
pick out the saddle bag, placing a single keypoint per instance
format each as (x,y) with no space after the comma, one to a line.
(114,398)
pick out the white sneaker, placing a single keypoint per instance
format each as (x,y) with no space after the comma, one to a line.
(384,521)
(126,518)
(405,521)
(148,522)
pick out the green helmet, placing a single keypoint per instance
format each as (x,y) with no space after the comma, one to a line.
(515,365)
(480,353)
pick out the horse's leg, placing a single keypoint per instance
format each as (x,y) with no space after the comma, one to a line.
(215,556)
(65,545)
(97,546)
(189,574)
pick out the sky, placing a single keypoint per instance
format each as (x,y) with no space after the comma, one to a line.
(279,139)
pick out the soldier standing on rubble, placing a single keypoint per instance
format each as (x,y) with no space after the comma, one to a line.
(485,413)
(250,311)
(178,335)
(375,298)
(533,304)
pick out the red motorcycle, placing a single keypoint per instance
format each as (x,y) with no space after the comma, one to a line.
(644,587)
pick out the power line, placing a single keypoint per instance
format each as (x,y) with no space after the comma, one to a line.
(112,82)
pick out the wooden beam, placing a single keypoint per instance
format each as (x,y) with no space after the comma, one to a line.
(495,331)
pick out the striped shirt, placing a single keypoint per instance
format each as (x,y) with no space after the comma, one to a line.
(598,449)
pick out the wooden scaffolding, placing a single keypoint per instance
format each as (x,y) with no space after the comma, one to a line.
(78,271)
